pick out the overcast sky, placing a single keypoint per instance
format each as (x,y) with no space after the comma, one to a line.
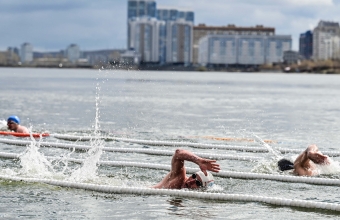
(101,24)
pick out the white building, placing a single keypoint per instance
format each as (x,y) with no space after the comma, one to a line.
(322,38)
(330,48)
(145,37)
(243,49)
(73,53)
(179,41)
(26,53)
(276,46)
(138,9)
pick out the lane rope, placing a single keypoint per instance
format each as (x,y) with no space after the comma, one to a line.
(188,144)
(183,193)
(129,150)
(163,143)
(225,174)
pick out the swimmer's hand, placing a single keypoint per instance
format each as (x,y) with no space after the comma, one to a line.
(318,158)
(211,165)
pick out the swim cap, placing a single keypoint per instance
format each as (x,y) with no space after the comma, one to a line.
(14,118)
(285,164)
(206,180)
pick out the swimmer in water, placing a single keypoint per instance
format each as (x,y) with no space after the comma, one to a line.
(13,125)
(177,178)
(304,165)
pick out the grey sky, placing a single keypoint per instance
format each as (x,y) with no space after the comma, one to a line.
(101,24)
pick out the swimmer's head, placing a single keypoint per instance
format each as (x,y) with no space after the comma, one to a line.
(198,180)
(207,180)
(14,119)
(285,164)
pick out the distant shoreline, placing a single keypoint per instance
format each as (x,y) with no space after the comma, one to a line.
(294,68)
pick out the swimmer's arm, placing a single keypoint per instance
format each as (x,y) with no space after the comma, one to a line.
(204,164)
(180,156)
(303,159)
(313,154)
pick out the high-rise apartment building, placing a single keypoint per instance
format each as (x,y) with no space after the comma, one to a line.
(72,53)
(306,45)
(140,8)
(321,34)
(26,53)
(202,30)
(147,38)
(173,14)
(242,49)
(179,41)
(332,48)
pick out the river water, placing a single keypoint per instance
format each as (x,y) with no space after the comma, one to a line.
(290,110)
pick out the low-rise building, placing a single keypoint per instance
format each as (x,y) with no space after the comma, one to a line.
(291,57)
(202,30)
(243,49)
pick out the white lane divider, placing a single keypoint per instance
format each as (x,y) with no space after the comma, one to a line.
(226,174)
(129,150)
(183,193)
(187,144)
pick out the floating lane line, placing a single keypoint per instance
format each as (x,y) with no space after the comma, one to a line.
(163,143)
(182,193)
(225,174)
(189,144)
(130,150)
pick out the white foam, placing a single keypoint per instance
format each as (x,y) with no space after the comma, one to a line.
(332,168)
(3,125)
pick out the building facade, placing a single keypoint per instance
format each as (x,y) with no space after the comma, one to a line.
(72,53)
(202,30)
(322,34)
(26,53)
(173,14)
(179,42)
(276,46)
(306,45)
(291,57)
(138,9)
(242,49)
(331,48)
(146,38)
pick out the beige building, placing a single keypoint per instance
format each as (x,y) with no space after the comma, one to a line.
(202,30)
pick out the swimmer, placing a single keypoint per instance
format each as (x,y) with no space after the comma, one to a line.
(13,125)
(177,178)
(304,165)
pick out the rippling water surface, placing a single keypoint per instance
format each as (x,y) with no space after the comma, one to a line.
(291,110)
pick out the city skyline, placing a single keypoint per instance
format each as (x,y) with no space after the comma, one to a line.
(52,26)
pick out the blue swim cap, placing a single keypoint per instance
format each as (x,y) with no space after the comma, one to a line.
(14,118)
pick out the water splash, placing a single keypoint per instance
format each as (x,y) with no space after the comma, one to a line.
(34,162)
(332,168)
(266,166)
(271,150)
(88,170)
(3,125)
